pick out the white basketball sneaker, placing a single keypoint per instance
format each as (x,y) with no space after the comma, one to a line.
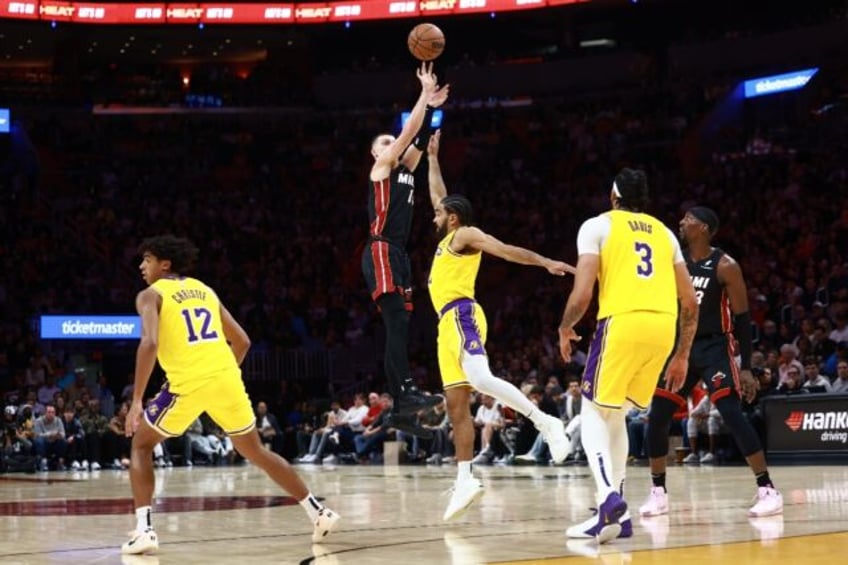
(769,503)
(325,523)
(464,495)
(553,430)
(141,542)
(657,503)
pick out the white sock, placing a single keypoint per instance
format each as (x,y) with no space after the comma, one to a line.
(595,434)
(476,368)
(463,471)
(312,506)
(143,519)
(619,446)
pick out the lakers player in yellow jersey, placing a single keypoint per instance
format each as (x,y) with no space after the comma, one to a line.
(462,329)
(641,274)
(200,347)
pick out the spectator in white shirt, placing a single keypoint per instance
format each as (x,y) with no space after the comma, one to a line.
(812,377)
(488,420)
(840,332)
(334,418)
(788,359)
(840,384)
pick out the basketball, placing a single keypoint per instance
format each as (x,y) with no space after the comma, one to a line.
(426,42)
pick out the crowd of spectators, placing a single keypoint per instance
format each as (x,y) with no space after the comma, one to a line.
(276,202)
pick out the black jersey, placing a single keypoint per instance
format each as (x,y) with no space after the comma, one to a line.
(390,204)
(714,312)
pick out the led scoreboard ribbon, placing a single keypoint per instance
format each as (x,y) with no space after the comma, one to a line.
(223,13)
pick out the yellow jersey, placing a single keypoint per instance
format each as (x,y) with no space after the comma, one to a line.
(452,275)
(637,253)
(192,345)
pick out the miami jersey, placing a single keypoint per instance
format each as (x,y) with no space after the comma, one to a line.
(390,206)
(452,275)
(192,345)
(637,253)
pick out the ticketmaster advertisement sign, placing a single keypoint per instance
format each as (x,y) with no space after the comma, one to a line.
(807,423)
(778,83)
(82,326)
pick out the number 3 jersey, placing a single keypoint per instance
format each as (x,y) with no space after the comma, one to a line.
(637,257)
(192,345)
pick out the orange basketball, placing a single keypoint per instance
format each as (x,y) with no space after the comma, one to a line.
(426,42)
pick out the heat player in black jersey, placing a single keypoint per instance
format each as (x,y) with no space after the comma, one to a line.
(385,262)
(724,331)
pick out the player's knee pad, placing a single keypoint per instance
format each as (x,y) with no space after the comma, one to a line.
(730,408)
(659,419)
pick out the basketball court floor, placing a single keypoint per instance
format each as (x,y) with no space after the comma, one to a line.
(392,515)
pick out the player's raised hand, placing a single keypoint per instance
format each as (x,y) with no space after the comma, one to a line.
(433,144)
(438,96)
(427,78)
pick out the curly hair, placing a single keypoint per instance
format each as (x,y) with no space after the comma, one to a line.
(180,251)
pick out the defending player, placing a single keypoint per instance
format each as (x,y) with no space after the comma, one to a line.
(462,329)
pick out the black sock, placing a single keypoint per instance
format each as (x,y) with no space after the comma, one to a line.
(763,480)
(658,479)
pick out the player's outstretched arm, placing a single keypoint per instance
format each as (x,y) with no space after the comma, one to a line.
(475,238)
(438,190)
(386,161)
(235,334)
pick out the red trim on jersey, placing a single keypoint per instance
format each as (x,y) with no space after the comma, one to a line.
(734,368)
(676,398)
(382,269)
(726,318)
(382,198)
(719,394)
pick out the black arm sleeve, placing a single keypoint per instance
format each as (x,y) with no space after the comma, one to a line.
(422,138)
(742,331)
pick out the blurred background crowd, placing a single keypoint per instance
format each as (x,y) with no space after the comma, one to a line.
(269,179)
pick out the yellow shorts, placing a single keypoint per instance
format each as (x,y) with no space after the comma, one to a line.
(223,397)
(626,358)
(462,331)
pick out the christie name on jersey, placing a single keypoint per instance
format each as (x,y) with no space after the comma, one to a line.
(191,293)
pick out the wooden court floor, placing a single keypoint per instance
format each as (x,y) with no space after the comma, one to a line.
(392,515)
